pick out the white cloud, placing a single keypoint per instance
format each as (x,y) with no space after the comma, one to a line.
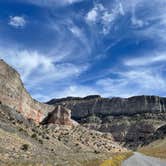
(147,59)
(28,61)
(17,21)
(38,69)
(74,90)
(92,15)
(133,82)
(51,3)
(121,9)
(77,90)
(105,16)
(137,22)
(143,75)
(78,32)
(95,13)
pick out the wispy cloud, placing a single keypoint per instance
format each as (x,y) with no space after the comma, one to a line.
(151,24)
(73,90)
(77,90)
(77,41)
(51,3)
(148,81)
(144,60)
(17,21)
(79,33)
(137,22)
(37,69)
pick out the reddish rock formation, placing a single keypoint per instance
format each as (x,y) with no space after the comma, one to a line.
(14,95)
(60,115)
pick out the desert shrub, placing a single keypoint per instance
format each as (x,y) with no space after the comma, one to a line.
(96,152)
(108,119)
(25,147)
(93,119)
(34,135)
(40,141)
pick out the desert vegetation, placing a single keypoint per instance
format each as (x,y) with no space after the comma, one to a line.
(155,149)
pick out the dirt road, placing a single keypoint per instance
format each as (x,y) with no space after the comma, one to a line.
(139,159)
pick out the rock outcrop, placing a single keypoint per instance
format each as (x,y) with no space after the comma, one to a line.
(131,121)
(14,95)
(60,115)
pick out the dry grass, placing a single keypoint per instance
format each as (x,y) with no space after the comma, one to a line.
(25,164)
(117,159)
(155,149)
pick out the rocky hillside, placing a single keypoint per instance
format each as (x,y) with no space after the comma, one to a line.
(130,120)
(33,133)
(24,143)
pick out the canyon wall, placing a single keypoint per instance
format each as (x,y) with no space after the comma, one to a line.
(14,95)
(96,105)
(131,121)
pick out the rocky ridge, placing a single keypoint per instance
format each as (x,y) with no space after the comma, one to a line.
(131,121)
(84,107)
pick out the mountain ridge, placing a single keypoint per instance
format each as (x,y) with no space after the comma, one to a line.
(131,120)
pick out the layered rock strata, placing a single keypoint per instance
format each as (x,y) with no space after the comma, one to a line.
(131,121)
(14,95)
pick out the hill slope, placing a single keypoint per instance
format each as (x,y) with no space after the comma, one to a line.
(35,133)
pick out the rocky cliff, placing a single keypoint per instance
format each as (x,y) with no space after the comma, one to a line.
(96,105)
(130,120)
(14,95)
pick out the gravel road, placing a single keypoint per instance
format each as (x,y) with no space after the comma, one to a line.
(139,159)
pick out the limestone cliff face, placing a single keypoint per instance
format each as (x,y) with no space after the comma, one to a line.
(95,105)
(14,95)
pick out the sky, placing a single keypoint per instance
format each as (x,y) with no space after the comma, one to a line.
(85,47)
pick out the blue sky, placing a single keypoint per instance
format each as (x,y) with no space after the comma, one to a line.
(83,47)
